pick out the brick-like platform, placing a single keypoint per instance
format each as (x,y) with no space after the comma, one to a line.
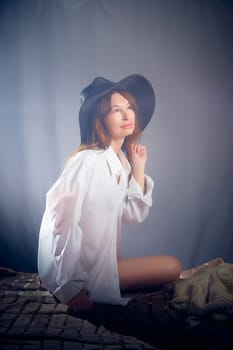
(31,318)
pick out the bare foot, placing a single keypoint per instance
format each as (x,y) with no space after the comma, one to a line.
(192,272)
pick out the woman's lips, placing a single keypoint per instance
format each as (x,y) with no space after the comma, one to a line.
(127,126)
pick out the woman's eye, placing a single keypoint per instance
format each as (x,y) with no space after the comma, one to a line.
(115,110)
(130,107)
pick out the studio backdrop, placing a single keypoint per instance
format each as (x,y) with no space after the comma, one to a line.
(50,50)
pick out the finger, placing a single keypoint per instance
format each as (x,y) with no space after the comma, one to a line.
(141,150)
(133,147)
(137,149)
(144,150)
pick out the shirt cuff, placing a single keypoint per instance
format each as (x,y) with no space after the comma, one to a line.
(135,190)
(68,291)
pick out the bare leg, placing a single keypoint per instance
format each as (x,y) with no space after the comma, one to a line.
(148,271)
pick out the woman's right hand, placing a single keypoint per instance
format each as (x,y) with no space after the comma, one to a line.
(80,302)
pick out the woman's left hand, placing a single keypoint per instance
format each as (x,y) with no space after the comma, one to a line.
(138,162)
(138,157)
(80,302)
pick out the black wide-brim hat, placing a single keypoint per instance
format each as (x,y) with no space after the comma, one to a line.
(137,85)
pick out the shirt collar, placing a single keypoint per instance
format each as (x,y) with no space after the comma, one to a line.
(117,163)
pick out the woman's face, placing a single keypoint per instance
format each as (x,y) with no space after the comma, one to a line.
(120,121)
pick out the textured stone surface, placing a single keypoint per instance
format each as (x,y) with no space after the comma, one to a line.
(31,318)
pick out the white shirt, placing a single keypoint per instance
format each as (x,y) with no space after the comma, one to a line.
(79,241)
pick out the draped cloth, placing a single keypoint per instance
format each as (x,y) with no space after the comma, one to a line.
(208,292)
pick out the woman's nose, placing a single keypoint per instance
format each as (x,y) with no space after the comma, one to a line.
(125,114)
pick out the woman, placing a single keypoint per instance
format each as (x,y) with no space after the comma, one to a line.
(102,184)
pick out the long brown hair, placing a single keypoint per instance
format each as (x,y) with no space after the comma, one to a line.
(98,137)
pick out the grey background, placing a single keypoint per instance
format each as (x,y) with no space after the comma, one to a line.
(50,50)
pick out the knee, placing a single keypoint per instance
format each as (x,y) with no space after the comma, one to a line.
(174,266)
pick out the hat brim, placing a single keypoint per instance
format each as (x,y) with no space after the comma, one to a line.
(137,85)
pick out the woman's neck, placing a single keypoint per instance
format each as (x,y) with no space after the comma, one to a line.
(116,145)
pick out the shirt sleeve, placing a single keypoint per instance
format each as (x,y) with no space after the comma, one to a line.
(137,204)
(60,266)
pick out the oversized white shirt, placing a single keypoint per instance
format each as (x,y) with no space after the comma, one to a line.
(79,241)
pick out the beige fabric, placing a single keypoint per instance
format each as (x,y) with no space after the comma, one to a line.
(209,291)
